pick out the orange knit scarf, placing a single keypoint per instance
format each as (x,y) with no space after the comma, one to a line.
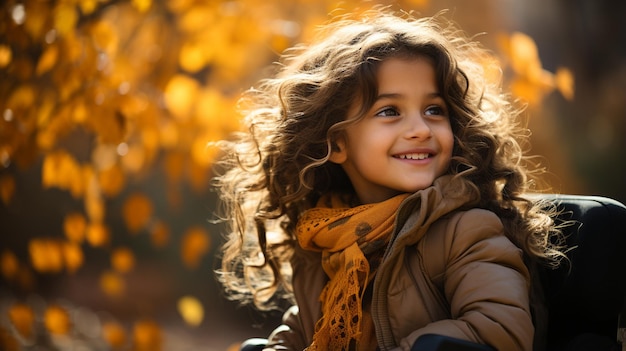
(344,235)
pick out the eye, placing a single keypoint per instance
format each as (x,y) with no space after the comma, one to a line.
(387,112)
(435,110)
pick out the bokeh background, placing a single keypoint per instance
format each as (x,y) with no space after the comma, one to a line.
(106,109)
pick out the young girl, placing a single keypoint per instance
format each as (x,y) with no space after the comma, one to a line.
(379,189)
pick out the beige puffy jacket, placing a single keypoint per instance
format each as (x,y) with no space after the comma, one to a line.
(449,270)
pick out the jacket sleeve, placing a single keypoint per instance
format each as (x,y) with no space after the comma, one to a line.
(485,283)
(298,324)
(289,335)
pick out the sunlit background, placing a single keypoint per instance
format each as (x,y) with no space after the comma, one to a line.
(106,110)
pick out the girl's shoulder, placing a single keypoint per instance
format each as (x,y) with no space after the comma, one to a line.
(462,229)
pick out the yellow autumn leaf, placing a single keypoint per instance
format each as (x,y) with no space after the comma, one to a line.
(191,310)
(114,334)
(9,264)
(169,134)
(23,319)
(199,172)
(112,180)
(180,95)
(211,108)
(137,212)
(97,234)
(7,188)
(65,17)
(57,320)
(112,284)
(72,256)
(61,170)
(178,6)
(159,234)
(194,22)
(524,53)
(419,3)
(150,139)
(147,336)
(21,97)
(46,255)
(192,57)
(38,14)
(87,6)
(105,37)
(203,153)
(135,159)
(5,55)
(195,244)
(108,124)
(122,260)
(174,163)
(80,112)
(564,81)
(74,227)
(79,181)
(47,60)
(142,5)
(94,203)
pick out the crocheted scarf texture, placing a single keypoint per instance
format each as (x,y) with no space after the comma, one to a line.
(345,236)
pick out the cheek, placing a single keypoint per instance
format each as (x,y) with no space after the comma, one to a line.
(447,147)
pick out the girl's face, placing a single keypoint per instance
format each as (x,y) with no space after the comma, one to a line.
(404,140)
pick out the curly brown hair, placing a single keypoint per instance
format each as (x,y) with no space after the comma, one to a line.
(280,166)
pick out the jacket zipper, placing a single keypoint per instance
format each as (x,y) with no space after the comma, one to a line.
(384,334)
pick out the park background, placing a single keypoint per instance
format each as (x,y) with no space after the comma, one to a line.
(106,110)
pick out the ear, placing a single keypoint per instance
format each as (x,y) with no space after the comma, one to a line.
(338,152)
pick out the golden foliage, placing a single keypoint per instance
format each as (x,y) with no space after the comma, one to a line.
(8,342)
(195,244)
(22,317)
(114,334)
(98,234)
(9,264)
(531,81)
(112,284)
(72,256)
(191,310)
(145,81)
(112,180)
(147,336)
(57,320)
(46,255)
(159,234)
(75,227)
(49,255)
(137,212)
(7,188)
(122,260)
(5,55)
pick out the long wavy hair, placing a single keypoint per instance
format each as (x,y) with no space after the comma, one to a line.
(280,166)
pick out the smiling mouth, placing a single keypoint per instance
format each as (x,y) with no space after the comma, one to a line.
(416,156)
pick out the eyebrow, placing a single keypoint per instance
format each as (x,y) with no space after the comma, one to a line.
(396,95)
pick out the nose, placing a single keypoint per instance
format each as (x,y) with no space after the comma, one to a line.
(417,127)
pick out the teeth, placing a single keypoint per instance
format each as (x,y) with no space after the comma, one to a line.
(419,156)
